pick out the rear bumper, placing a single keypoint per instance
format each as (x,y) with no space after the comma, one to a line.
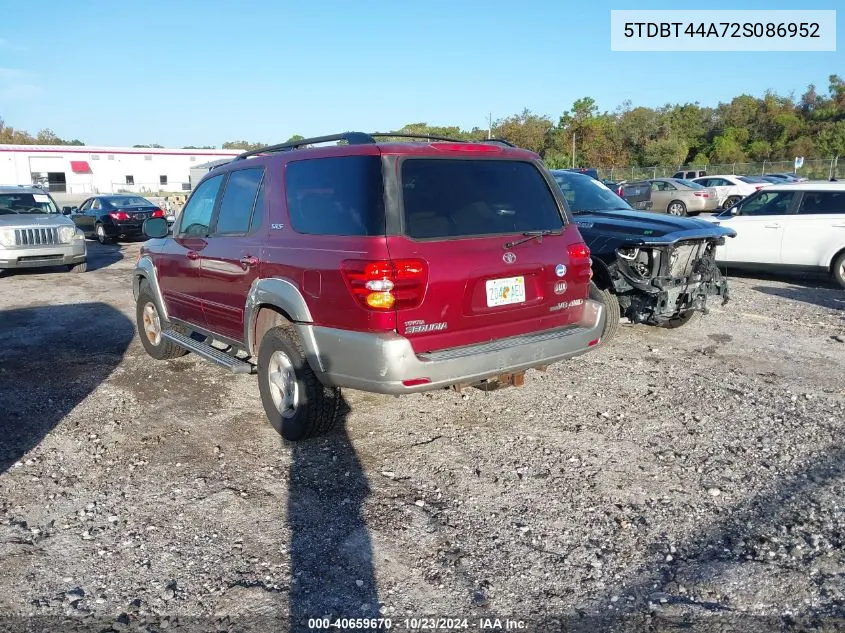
(381,362)
(40,257)
(123,230)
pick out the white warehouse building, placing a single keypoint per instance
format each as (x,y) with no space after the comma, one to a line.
(81,169)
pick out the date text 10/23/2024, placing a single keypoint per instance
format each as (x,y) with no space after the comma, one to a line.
(723,30)
(418,624)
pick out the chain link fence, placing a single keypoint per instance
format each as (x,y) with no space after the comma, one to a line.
(816,169)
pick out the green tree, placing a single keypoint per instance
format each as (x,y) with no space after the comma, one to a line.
(243,145)
(527,130)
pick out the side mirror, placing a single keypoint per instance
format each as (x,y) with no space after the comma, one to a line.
(155,227)
(67,210)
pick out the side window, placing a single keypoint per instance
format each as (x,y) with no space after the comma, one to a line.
(96,205)
(343,195)
(704,182)
(822,202)
(566,190)
(85,206)
(258,214)
(238,201)
(768,203)
(196,216)
(668,186)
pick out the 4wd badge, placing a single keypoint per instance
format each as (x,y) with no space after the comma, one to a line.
(509,258)
(560,287)
(560,270)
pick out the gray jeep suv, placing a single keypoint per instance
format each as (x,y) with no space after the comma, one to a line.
(33,233)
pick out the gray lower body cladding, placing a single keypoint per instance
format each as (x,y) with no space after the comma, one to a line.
(669,282)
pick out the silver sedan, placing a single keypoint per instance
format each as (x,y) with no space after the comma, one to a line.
(681,197)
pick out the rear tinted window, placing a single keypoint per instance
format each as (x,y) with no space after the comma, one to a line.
(458,198)
(585,194)
(343,195)
(823,202)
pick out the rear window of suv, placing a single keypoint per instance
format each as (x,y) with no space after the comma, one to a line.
(445,198)
(343,195)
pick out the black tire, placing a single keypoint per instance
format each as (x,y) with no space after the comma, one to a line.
(838,269)
(676,207)
(611,306)
(731,201)
(100,232)
(685,318)
(160,348)
(81,267)
(312,407)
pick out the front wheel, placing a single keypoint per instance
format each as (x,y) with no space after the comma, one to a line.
(81,267)
(297,404)
(149,325)
(613,312)
(685,318)
(839,270)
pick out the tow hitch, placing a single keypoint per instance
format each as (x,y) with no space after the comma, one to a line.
(511,379)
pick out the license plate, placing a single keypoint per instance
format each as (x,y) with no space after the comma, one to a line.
(501,292)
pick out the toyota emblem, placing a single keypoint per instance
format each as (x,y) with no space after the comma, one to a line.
(509,258)
(560,270)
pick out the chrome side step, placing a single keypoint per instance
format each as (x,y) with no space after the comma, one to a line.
(224,359)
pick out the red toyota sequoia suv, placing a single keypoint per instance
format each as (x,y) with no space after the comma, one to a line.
(382,262)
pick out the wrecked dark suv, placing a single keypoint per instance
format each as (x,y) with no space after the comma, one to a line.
(648,267)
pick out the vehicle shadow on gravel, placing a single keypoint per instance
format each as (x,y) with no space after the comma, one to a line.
(52,358)
(103,256)
(332,569)
(804,500)
(832,298)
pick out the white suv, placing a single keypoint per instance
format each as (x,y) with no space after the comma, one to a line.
(729,189)
(798,226)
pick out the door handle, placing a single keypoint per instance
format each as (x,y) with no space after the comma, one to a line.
(771,226)
(248,260)
(192,255)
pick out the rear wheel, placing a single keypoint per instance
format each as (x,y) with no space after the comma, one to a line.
(839,269)
(102,237)
(297,404)
(611,306)
(149,325)
(731,201)
(676,207)
(685,318)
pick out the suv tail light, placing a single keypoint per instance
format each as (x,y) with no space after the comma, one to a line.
(386,284)
(157,213)
(579,261)
(119,215)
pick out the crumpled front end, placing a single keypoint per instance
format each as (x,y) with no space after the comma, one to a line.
(657,283)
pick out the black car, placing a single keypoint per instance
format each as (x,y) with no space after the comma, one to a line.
(113,217)
(653,269)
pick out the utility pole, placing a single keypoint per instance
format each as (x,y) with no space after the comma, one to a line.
(490,125)
(573,151)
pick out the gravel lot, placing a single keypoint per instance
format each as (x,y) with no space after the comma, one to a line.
(673,477)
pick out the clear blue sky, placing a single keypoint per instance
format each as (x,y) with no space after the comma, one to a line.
(187,72)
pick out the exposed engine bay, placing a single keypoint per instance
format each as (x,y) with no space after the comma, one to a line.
(656,283)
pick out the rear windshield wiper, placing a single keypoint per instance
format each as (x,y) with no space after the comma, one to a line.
(530,235)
